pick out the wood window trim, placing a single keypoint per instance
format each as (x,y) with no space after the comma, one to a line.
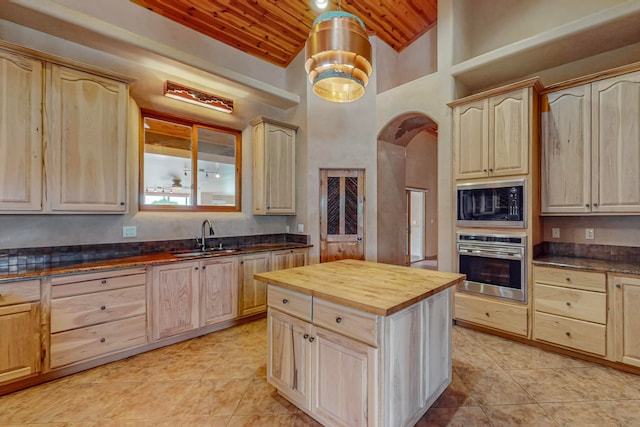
(194,149)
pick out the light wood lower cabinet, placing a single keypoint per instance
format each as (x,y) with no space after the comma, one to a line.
(570,309)
(289,258)
(252,298)
(218,290)
(19,330)
(175,298)
(358,369)
(96,314)
(508,317)
(626,319)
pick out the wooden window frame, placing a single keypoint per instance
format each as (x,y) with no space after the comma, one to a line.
(194,160)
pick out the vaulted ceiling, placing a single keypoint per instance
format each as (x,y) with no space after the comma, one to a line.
(276,30)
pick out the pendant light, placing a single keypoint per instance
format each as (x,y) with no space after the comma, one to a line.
(338,56)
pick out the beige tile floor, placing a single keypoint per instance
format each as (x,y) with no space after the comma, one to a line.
(219,380)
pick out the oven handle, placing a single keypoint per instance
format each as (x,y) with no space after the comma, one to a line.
(515,254)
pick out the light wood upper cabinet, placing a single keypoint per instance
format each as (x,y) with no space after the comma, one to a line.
(492,135)
(566,150)
(175,298)
(20,133)
(626,308)
(616,144)
(86,141)
(274,167)
(19,329)
(591,147)
(252,297)
(218,290)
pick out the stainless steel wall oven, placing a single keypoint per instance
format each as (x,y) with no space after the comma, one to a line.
(495,265)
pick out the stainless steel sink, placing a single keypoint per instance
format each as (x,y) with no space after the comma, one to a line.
(211,251)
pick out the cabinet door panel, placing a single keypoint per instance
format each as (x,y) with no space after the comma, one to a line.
(20,133)
(86,117)
(626,294)
(219,287)
(253,293)
(280,168)
(616,144)
(289,363)
(509,129)
(566,151)
(341,379)
(175,299)
(471,140)
(19,341)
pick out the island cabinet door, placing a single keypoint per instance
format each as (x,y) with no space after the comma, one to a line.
(344,379)
(289,364)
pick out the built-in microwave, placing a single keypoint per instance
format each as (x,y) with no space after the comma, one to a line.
(492,204)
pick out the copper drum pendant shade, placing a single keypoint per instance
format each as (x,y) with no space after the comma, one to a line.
(338,56)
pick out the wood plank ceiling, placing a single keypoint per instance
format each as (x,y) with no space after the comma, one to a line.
(276,30)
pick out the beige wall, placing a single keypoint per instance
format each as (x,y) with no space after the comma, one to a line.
(422,173)
(608,230)
(391,203)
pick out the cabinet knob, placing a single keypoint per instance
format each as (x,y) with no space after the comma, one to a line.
(586,205)
(121,203)
(312,339)
(595,205)
(490,170)
(338,319)
(285,301)
(568,334)
(487,314)
(568,303)
(568,279)
(195,268)
(103,339)
(618,285)
(305,336)
(103,282)
(484,170)
(103,308)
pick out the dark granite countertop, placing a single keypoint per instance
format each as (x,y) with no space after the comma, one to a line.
(74,267)
(605,266)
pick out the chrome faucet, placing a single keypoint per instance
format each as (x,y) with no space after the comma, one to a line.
(203,242)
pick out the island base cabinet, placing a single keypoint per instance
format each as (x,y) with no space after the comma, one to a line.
(626,313)
(344,370)
(289,364)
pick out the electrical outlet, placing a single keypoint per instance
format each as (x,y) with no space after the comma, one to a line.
(300,228)
(129,231)
(589,234)
(286,229)
(555,233)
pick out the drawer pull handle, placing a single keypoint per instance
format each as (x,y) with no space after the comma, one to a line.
(305,336)
(338,319)
(103,339)
(312,339)
(103,282)
(568,303)
(285,301)
(568,334)
(103,308)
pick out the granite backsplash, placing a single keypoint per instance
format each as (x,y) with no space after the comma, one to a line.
(580,250)
(33,258)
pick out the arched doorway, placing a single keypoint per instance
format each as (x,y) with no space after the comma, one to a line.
(407,161)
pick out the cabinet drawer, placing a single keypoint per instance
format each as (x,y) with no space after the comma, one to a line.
(19,292)
(574,303)
(495,314)
(578,334)
(291,302)
(96,282)
(99,307)
(347,321)
(587,280)
(80,344)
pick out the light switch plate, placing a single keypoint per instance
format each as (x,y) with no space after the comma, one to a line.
(129,231)
(589,234)
(555,232)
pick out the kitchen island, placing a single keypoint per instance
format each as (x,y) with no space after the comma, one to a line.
(357,343)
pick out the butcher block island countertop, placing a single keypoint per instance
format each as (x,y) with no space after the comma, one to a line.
(376,288)
(357,343)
